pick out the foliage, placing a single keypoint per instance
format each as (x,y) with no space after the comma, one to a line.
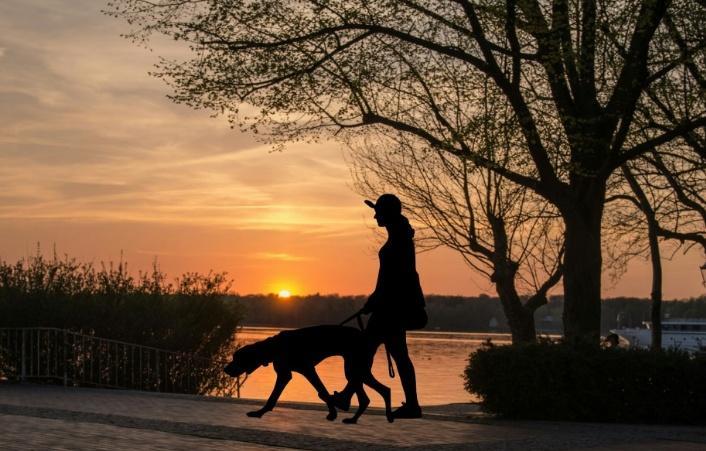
(189,315)
(557,381)
(591,85)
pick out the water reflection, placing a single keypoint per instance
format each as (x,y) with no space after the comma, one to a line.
(439,359)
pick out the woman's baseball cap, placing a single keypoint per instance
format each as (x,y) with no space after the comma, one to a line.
(387,203)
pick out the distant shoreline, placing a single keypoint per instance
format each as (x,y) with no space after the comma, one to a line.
(441,334)
(430,333)
(452,314)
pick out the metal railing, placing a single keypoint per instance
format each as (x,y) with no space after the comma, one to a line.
(75,359)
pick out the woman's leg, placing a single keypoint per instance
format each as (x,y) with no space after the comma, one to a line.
(397,346)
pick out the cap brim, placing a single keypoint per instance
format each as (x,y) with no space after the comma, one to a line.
(369,203)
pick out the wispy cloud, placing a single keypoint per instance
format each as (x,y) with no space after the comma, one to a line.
(94,158)
(91,136)
(281,257)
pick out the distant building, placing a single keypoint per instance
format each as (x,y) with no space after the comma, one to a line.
(493,323)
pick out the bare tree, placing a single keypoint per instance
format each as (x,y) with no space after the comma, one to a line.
(502,230)
(575,74)
(667,206)
(666,185)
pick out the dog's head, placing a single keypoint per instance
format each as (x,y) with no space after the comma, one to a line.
(247,359)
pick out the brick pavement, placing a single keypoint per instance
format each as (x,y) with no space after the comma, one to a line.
(27,432)
(49,417)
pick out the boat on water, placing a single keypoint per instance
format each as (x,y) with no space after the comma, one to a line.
(685,334)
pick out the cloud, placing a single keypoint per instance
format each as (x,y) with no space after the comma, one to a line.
(90,136)
(95,158)
(281,257)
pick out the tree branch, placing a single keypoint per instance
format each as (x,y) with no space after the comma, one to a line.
(631,80)
(639,149)
(372,118)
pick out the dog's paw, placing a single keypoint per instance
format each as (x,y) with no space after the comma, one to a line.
(256,414)
(351,420)
(340,402)
(390,417)
(331,415)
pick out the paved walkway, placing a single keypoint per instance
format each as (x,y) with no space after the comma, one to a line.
(49,417)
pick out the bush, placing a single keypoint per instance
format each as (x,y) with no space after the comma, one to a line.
(189,315)
(555,381)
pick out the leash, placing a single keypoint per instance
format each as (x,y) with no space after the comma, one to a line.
(390,368)
(357,315)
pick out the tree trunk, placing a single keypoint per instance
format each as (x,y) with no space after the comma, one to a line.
(519,318)
(656,294)
(582,267)
(643,204)
(525,331)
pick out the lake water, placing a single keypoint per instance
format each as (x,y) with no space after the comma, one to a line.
(439,360)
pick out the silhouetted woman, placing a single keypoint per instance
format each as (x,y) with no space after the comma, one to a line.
(397,304)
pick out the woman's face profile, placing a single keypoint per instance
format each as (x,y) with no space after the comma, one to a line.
(380,217)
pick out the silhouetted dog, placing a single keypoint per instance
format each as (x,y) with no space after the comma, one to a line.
(301,350)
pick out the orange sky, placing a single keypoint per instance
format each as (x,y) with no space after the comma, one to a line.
(95,159)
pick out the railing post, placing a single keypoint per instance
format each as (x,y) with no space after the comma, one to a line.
(140,348)
(75,353)
(159,379)
(66,376)
(23,375)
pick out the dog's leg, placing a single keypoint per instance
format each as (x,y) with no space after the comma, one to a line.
(384,391)
(342,399)
(283,378)
(363,402)
(312,376)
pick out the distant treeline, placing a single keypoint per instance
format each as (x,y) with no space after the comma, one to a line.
(452,313)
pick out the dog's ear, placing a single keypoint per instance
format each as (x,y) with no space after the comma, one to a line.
(267,346)
(239,350)
(265,351)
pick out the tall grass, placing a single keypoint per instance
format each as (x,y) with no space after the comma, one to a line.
(189,314)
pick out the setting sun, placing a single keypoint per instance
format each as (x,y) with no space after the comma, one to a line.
(284,294)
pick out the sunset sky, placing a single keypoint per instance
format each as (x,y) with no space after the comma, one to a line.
(95,159)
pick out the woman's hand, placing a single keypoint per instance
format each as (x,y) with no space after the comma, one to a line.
(369,306)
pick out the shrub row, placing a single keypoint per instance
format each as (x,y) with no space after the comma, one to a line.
(188,315)
(557,381)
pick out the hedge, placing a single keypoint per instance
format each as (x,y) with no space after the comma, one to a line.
(557,381)
(189,315)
